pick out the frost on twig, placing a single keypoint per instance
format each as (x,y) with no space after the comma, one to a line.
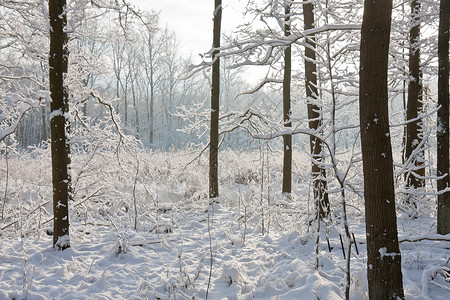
(20,105)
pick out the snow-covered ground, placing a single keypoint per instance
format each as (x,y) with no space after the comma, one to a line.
(252,245)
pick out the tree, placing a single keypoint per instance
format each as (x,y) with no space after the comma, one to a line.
(414,107)
(443,182)
(314,116)
(287,138)
(58,61)
(118,50)
(215,93)
(169,85)
(151,61)
(384,272)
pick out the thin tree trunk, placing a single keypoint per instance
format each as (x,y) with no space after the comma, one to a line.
(414,107)
(215,94)
(117,71)
(384,271)
(149,70)
(147,101)
(443,209)
(152,100)
(287,139)
(44,135)
(402,45)
(135,106)
(125,105)
(58,60)
(314,115)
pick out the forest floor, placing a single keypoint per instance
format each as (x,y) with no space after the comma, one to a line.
(253,245)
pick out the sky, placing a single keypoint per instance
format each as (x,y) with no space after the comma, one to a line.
(192,20)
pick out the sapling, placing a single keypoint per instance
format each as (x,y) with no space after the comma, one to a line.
(27,279)
(6,179)
(261,196)
(211,258)
(134,192)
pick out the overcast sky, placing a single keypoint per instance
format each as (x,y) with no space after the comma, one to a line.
(191,20)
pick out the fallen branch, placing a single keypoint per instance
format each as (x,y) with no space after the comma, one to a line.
(413,240)
(151,243)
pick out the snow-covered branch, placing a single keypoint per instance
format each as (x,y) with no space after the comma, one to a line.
(24,105)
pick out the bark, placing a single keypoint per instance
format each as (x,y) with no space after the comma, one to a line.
(151,116)
(117,60)
(125,102)
(215,92)
(44,136)
(314,115)
(287,139)
(414,107)
(135,104)
(152,91)
(443,209)
(58,60)
(150,96)
(384,272)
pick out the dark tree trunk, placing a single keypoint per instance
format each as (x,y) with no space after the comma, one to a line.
(287,139)
(384,271)
(58,60)
(314,115)
(414,107)
(215,92)
(443,214)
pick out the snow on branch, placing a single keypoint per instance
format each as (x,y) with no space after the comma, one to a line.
(260,86)
(264,45)
(23,106)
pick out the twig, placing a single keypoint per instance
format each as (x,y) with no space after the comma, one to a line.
(329,246)
(134,192)
(342,244)
(440,285)
(437,239)
(356,246)
(7,178)
(87,198)
(10,224)
(211,259)
(151,243)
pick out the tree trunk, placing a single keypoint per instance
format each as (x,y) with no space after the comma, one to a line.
(125,104)
(150,71)
(58,60)
(135,106)
(215,94)
(414,108)
(117,60)
(152,99)
(44,135)
(314,115)
(287,139)
(443,214)
(384,271)
(152,119)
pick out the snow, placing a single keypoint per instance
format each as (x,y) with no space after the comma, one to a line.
(181,240)
(441,127)
(56,113)
(383,251)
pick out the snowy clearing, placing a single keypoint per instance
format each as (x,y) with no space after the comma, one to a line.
(169,255)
